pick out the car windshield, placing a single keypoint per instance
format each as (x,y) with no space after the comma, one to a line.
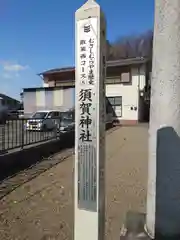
(39,115)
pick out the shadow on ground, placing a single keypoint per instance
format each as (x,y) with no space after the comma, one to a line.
(167,184)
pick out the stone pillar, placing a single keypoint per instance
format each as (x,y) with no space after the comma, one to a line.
(89,200)
(163,197)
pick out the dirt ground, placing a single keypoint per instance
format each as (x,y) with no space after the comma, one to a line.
(42,209)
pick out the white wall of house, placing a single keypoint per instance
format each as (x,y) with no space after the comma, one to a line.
(38,99)
(130,109)
(45,84)
(132,106)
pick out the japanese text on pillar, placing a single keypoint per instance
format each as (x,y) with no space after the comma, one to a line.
(87,78)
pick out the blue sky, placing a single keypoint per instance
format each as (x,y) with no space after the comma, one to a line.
(37,35)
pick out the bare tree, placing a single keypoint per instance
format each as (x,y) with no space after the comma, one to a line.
(131,46)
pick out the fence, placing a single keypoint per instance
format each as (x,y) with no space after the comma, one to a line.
(19,133)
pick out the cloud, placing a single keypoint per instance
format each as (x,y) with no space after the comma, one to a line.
(6,75)
(10,67)
(10,70)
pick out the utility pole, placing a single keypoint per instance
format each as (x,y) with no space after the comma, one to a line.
(89,180)
(163,196)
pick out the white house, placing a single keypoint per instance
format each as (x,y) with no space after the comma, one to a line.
(126,93)
(125,89)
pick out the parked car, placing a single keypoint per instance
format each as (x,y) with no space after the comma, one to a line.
(67,121)
(43,120)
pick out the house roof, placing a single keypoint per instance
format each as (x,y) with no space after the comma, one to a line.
(114,63)
(44,88)
(3,96)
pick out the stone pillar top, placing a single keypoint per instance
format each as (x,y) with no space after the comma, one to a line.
(88,5)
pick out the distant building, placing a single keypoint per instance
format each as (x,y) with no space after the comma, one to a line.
(8,103)
(126,82)
(50,98)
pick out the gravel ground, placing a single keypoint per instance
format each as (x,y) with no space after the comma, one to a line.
(42,208)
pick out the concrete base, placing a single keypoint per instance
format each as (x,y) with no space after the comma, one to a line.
(134,227)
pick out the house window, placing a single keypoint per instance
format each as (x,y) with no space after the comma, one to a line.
(116,104)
